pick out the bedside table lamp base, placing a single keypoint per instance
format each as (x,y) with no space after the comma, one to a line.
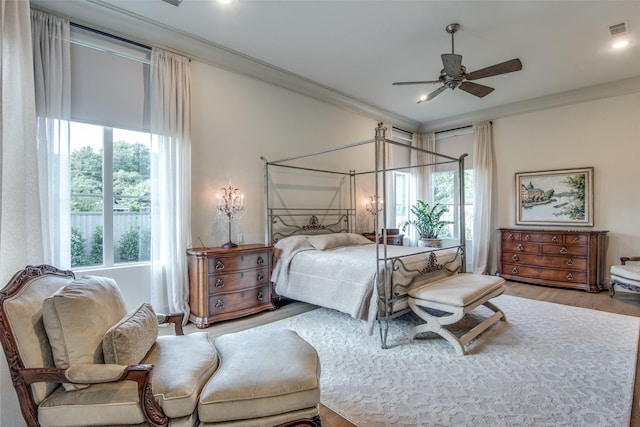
(229,244)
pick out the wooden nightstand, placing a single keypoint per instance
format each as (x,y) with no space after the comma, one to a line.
(228,283)
(393,237)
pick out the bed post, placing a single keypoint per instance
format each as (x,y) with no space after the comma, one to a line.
(463,237)
(267,223)
(380,151)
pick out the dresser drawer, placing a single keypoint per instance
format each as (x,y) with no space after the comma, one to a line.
(220,263)
(544,273)
(571,250)
(546,261)
(576,239)
(521,247)
(238,301)
(227,282)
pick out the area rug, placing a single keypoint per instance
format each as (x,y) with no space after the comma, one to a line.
(548,365)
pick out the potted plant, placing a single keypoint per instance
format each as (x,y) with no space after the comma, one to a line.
(428,222)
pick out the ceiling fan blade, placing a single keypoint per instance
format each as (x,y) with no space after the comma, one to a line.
(452,64)
(433,94)
(415,83)
(494,70)
(476,89)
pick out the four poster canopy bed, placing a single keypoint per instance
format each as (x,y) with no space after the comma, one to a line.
(314,223)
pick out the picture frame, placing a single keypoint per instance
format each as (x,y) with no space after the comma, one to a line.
(555,197)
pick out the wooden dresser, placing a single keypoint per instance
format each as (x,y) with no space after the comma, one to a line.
(564,258)
(228,283)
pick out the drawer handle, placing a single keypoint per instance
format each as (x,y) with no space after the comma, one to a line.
(260,260)
(576,239)
(527,237)
(219,265)
(569,276)
(520,247)
(260,296)
(219,304)
(514,270)
(510,236)
(515,257)
(563,250)
(219,283)
(260,277)
(554,239)
(569,261)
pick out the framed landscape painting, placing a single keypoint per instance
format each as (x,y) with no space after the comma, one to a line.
(555,197)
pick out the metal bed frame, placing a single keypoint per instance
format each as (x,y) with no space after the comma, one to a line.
(284,221)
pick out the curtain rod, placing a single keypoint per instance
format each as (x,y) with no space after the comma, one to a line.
(451,130)
(458,128)
(102,33)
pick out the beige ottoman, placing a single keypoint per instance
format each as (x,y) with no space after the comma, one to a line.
(457,295)
(272,378)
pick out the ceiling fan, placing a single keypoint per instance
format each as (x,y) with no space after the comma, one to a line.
(454,74)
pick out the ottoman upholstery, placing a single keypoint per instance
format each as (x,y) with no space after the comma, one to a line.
(264,378)
(457,295)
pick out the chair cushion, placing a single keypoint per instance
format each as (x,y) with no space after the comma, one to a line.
(261,375)
(182,366)
(76,318)
(631,272)
(458,290)
(129,340)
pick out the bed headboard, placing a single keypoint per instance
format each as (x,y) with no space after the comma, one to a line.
(285,222)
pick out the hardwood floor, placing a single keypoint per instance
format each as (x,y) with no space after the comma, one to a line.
(622,303)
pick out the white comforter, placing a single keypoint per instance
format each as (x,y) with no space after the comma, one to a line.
(341,277)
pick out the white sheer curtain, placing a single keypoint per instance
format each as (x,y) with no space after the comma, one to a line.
(483,167)
(52,75)
(420,176)
(20,231)
(170,180)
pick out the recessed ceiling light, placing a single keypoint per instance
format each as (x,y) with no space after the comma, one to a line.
(620,44)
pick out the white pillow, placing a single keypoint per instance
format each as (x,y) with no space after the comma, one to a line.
(336,240)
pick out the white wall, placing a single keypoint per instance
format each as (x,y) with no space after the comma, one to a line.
(603,134)
(237,119)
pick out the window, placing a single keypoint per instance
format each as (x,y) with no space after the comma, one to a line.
(401,192)
(445,191)
(110,151)
(110,205)
(445,183)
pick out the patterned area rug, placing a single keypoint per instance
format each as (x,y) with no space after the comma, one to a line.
(548,365)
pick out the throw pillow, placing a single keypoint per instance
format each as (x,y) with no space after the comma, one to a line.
(76,318)
(129,340)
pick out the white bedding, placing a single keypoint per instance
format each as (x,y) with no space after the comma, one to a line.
(341,276)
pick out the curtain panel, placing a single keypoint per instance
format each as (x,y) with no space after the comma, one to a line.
(170,180)
(52,77)
(420,176)
(483,166)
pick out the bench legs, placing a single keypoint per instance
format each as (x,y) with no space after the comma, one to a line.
(436,323)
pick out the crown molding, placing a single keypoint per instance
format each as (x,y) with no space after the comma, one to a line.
(591,93)
(112,19)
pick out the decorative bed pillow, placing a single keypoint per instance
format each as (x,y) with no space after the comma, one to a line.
(129,340)
(76,318)
(336,240)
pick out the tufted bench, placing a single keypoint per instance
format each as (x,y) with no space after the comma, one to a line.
(457,295)
(257,386)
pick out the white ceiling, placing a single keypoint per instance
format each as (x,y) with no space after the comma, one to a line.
(358,48)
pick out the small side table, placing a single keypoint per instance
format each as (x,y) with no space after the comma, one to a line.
(393,237)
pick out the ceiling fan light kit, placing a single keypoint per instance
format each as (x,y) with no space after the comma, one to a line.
(454,74)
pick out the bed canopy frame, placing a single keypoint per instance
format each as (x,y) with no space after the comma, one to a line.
(288,221)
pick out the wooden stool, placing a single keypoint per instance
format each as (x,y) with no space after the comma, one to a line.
(458,295)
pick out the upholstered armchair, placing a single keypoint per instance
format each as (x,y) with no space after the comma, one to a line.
(78,358)
(626,275)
